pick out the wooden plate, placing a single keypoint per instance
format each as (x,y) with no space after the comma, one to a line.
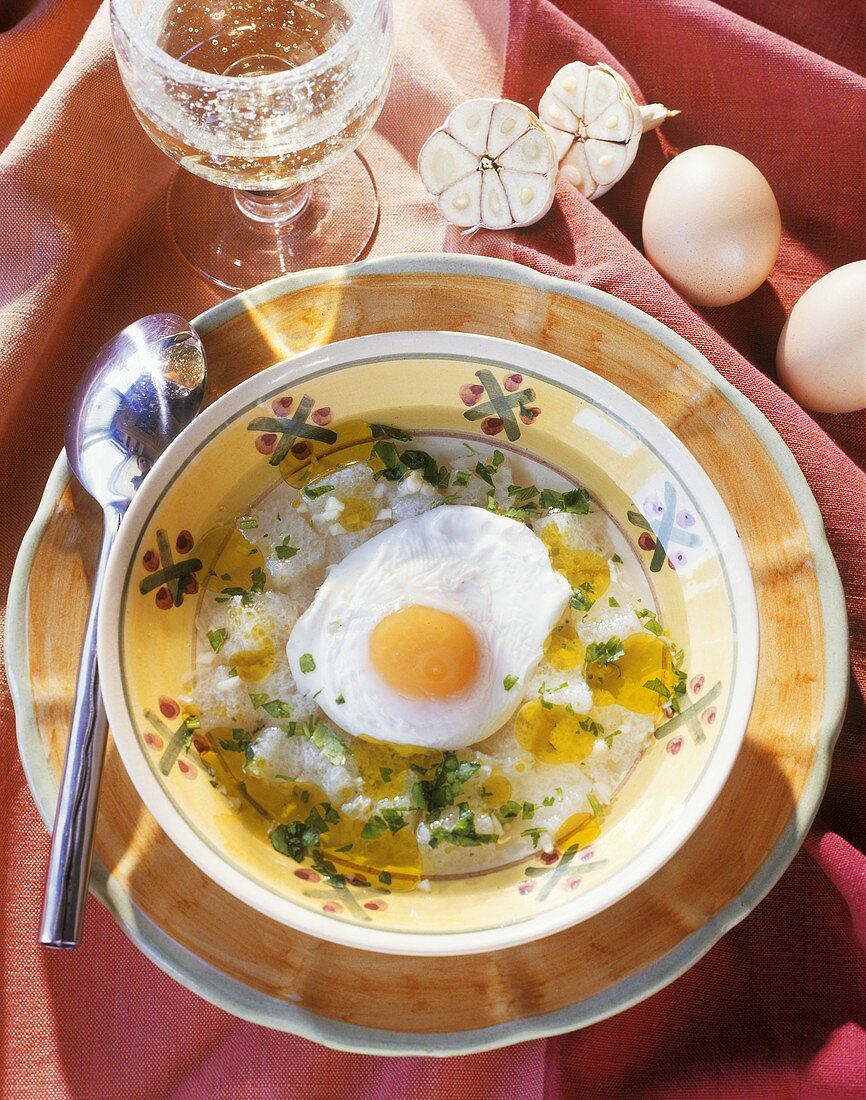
(357,1000)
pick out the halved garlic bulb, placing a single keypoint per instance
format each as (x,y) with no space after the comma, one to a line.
(596,125)
(491,164)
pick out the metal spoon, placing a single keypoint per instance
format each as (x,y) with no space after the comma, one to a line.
(141,391)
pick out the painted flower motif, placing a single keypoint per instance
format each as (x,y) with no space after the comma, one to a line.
(709,716)
(189,771)
(265,443)
(282,405)
(549,858)
(153,740)
(674,745)
(471,394)
(697,685)
(508,403)
(169,708)
(307,875)
(321,416)
(664,529)
(492,425)
(332,907)
(525,887)
(685,518)
(170,578)
(572,883)
(586,855)
(377,905)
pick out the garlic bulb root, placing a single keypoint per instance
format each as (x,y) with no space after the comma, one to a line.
(491,165)
(596,125)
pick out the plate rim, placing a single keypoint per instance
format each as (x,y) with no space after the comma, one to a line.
(224,992)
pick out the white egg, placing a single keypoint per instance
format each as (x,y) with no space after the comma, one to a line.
(821,357)
(711,225)
(426,634)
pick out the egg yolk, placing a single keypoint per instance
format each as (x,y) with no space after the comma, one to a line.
(423,653)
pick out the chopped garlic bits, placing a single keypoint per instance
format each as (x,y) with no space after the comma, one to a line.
(492,165)
(596,125)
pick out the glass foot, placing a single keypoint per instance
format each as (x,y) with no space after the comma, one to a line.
(333,225)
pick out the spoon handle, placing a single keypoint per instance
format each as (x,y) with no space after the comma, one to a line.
(72,839)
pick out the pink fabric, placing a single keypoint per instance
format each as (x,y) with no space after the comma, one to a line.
(777,1008)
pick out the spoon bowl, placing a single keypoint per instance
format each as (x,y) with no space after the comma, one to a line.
(141,390)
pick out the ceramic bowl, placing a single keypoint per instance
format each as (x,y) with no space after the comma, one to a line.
(672,523)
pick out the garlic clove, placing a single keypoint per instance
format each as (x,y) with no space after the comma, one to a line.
(528,196)
(492,164)
(614,123)
(495,207)
(461,203)
(508,122)
(569,87)
(607,162)
(557,115)
(445,161)
(575,170)
(531,153)
(469,124)
(596,124)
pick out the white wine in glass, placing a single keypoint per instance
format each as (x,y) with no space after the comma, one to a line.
(268,99)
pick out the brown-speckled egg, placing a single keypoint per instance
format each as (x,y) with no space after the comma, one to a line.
(712,226)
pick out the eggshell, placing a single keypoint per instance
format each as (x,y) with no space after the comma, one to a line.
(821,355)
(712,226)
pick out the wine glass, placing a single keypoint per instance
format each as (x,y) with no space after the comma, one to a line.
(269,99)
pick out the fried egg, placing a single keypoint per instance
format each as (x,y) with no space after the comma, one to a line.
(426,634)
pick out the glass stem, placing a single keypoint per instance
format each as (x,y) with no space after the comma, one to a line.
(273,207)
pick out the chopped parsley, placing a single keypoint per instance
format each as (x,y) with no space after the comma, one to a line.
(487,472)
(319,491)
(247,523)
(535,834)
(284,550)
(575,501)
(386,774)
(658,687)
(611,602)
(388,431)
(596,806)
(509,682)
(397,464)
(385,878)
(217,638)
(446,786)
(581,597)
(340,699)
(276,708)
(508,811)
(464,833)
(462,478)
(331,744)
(240,742)
(650,621)
(258,580)
(616,558)
(604,653)
(306,663)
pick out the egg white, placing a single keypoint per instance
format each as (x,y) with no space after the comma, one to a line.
(491,571)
